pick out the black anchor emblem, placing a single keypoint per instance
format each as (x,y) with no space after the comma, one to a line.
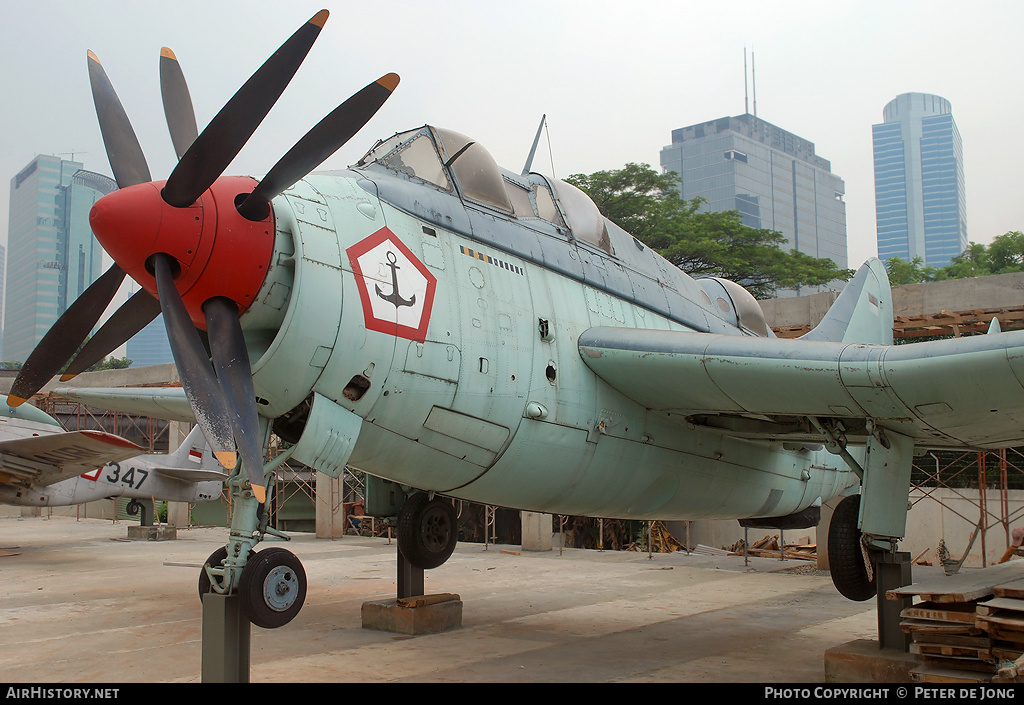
(394,297)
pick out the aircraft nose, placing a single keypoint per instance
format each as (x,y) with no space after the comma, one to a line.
(134,222)
(215,251)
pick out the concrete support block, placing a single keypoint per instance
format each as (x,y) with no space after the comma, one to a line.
(424,614)
(153,533)
(862,661)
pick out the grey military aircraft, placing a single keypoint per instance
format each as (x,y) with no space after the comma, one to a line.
(41,465)
(467,331)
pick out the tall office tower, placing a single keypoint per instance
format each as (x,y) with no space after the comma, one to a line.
(771,176)
(3,269)
(149,346)
(52,252)
(919,181)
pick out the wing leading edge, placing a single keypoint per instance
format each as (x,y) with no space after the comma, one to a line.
(963,392)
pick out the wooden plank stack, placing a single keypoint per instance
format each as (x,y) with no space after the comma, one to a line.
(768,547)
(969,627)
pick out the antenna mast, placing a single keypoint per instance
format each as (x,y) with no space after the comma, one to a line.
(533,149)
(753,80)
(746,94)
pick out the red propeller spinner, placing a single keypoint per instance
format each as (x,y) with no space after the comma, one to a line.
(216,251)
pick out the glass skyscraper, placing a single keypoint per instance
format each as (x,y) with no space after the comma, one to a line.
(771,176)
(52,254)
(149,346)
(919,181)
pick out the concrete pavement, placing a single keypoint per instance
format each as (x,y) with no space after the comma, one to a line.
(80,603)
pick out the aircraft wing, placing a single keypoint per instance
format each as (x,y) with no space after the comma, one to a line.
(44,460)
(159,402)
(962,392)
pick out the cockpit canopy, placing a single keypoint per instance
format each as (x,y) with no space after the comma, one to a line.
(737,305)
(454,163)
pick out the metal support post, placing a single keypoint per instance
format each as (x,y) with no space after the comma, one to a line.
(892,572)
(225,640)
(410,578)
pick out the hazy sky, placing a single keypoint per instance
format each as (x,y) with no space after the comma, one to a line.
(614,79)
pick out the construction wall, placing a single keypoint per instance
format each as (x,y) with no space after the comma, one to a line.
(929,300)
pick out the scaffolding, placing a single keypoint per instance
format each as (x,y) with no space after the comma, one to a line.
(151,433)
(992,474)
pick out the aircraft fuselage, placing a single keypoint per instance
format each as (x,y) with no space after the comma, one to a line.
(460,359)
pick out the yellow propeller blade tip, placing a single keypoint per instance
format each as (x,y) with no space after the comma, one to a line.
(226,458)
(13,401)
(166,51)
(260,493)
(389,81)
(65,378)
(92,56)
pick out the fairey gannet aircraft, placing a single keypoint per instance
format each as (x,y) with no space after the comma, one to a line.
(467,331)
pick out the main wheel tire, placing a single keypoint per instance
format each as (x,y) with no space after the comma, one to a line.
(132,508)
(272,587)
(845,556)
(427,530)
(215,560)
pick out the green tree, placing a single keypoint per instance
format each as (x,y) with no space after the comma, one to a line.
(111,363)
(902,272)
(1005,254)
(649,206)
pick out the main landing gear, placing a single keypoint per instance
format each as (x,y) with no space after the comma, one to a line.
(427,530)
(866,528)
(847,557)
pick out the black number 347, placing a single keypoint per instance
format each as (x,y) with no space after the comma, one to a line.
(133,478)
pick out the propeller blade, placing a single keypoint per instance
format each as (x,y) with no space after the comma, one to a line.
(329,135)
(181,118)
(123,150)
(134,315)
(197,377)
(231,362)
(63,339)
(228,132)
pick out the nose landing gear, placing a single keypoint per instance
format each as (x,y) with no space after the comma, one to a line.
(272,587)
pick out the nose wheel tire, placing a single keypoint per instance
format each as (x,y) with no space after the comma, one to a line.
(845,556)
(427,530)
(272,587)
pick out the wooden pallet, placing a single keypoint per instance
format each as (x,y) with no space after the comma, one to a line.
(968,586)
(970,626)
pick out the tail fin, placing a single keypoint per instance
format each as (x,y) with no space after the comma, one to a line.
(193,453)
(862,313)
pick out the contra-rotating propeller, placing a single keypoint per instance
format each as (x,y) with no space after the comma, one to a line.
(154,232)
